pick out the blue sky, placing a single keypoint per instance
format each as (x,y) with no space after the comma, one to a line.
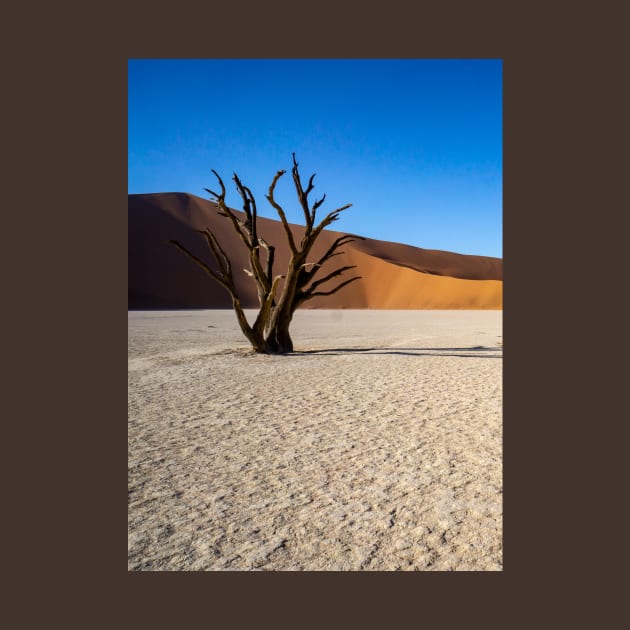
(415,145)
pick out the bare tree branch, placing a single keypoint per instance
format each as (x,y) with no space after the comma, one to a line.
(331,252)
(337,288)
(303,194)
(254,216)
(217,251)
(224,282)
(216,195)
(330,276)
(239,226)
(280,211)
(271,252)
(246,230)
(247,208)
(337,243)
(316,205)
(326,221)
(332,216)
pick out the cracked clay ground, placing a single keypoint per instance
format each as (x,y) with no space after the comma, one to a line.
(376,446)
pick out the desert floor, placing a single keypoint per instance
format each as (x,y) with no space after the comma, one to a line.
(376,446)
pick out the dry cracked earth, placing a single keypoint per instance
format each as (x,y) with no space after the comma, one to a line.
(376,446)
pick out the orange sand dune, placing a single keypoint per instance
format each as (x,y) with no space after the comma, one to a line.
(394,276)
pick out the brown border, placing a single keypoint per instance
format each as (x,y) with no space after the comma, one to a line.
(75,190)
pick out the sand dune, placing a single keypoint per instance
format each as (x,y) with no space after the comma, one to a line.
(394,275)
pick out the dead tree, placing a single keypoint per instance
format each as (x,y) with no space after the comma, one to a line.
(270,332)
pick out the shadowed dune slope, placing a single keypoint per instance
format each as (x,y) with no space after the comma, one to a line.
(394,276)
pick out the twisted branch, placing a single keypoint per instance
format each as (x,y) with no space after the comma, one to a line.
(330,253)
(280,211)
(303,194)
(239,226)
(308,296)
(223,280)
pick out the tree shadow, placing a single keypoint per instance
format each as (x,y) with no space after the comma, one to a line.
(476,352)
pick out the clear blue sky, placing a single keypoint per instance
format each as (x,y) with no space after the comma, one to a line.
(415,145)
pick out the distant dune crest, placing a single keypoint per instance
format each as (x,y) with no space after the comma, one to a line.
(394,275)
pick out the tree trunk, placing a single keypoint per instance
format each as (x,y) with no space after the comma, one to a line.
(279,340)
